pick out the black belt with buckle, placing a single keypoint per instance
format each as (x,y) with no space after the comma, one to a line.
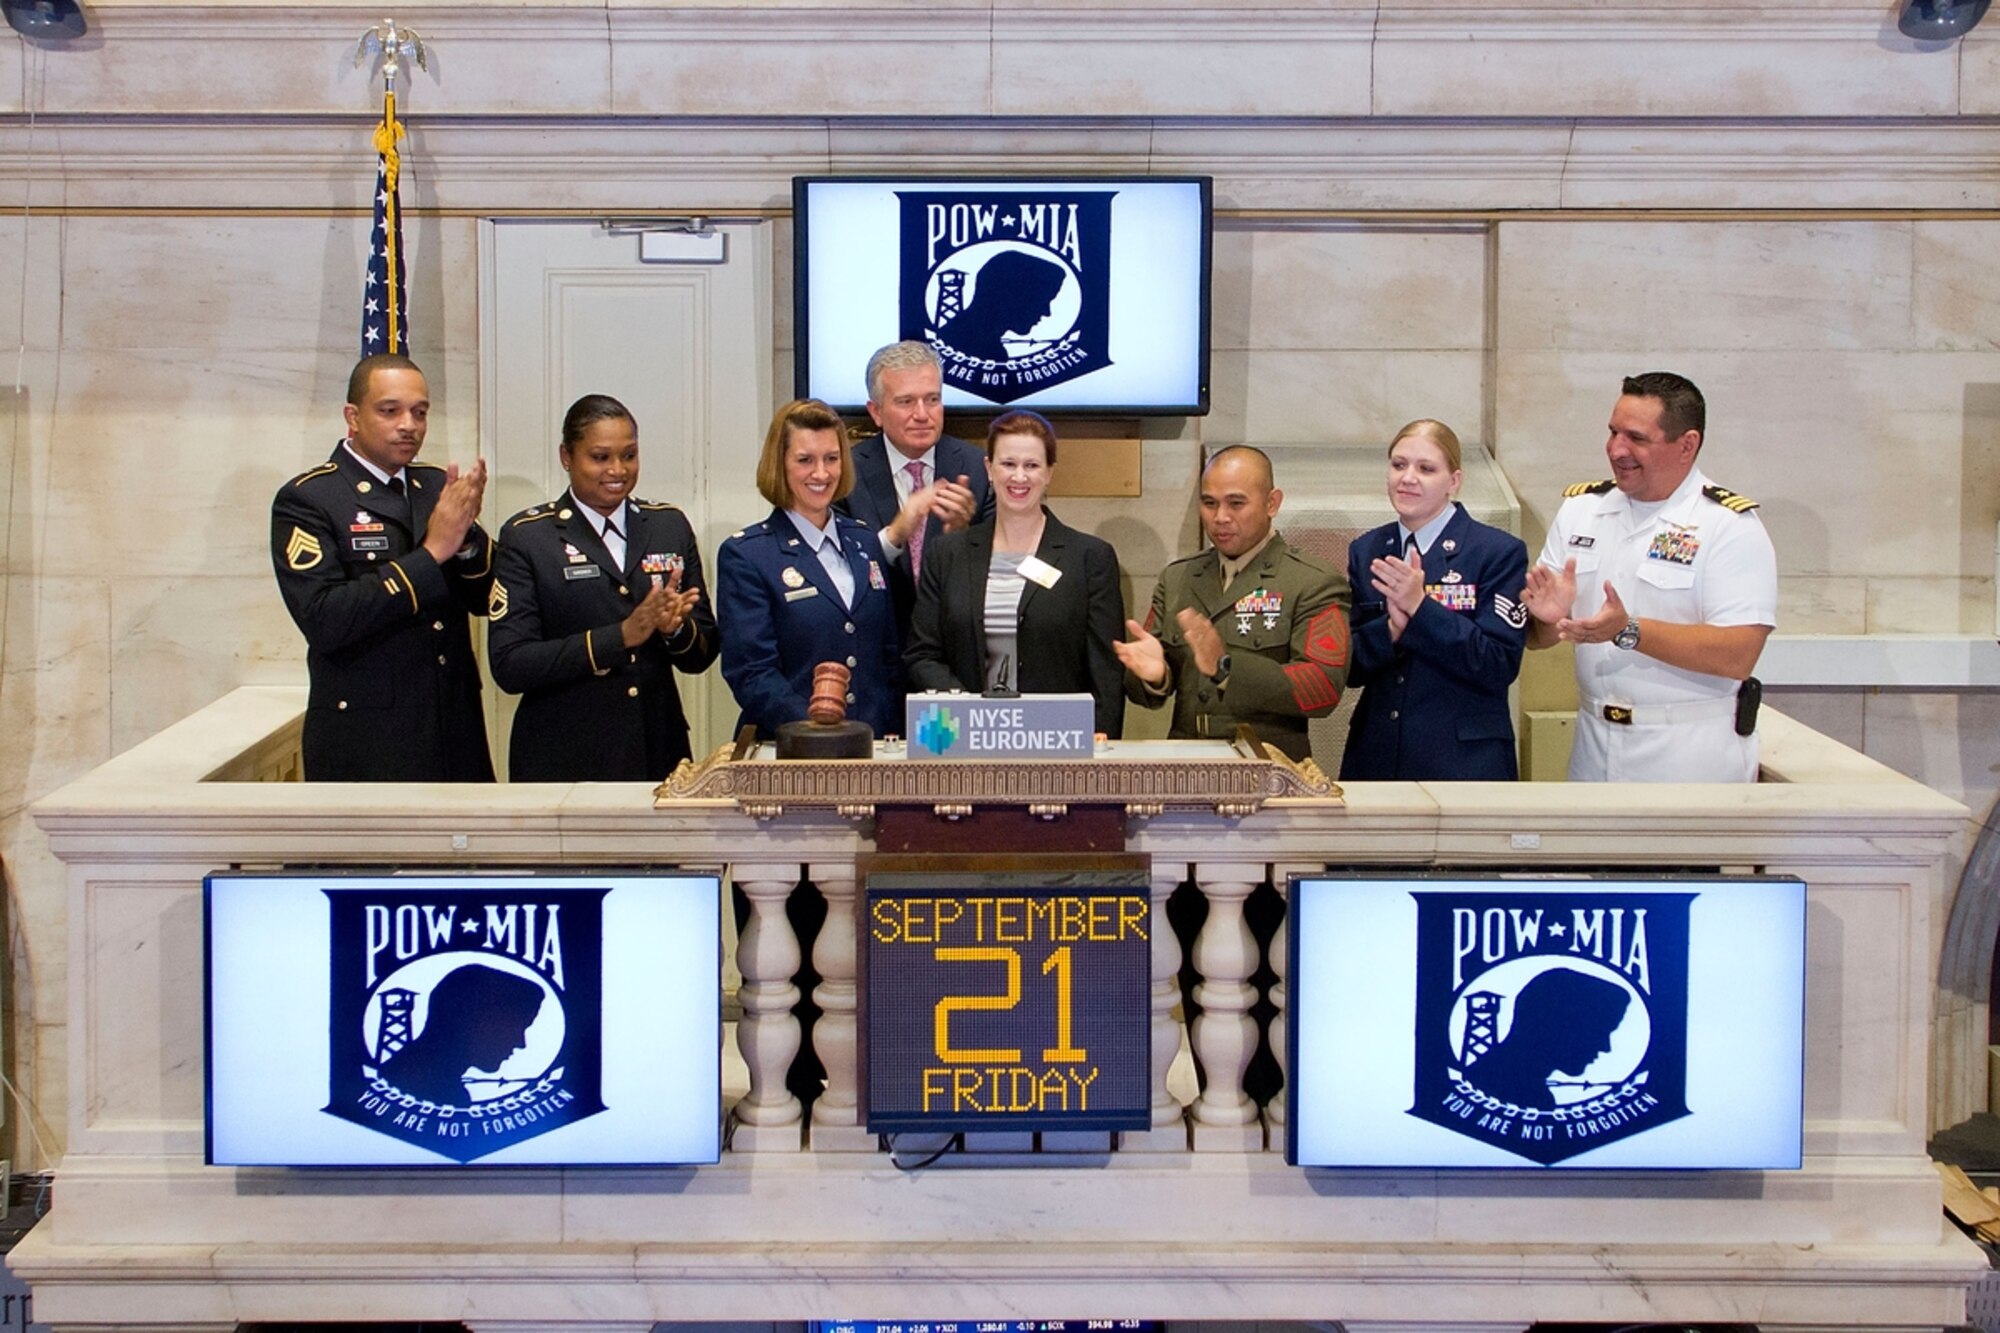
(1619,714)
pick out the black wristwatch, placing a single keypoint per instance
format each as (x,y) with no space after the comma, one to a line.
(1627,638)
(1221,676)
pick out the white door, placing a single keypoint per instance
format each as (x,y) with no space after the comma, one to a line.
(567,308)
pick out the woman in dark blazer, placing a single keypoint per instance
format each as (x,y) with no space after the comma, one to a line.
(807,586)
(598,599)
(1020,602)
(1438,627)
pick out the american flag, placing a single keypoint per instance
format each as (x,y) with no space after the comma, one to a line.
(385,325)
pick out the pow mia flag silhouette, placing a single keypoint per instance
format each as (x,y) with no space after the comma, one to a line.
(1012,288)
(465,1021)
(1549,1024)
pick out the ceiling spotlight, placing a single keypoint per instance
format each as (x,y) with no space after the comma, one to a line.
(1940,20)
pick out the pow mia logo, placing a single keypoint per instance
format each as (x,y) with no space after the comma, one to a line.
(1011,288)
(1549,1024)
(465,1021)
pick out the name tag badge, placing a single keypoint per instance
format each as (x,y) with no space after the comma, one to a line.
(575,572)
(1041,571)
(371,543)
(800,594)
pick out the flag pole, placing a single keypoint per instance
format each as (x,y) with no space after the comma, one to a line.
(384,317)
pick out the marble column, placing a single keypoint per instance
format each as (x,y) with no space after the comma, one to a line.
(1225,1036)
(836,1115)
(769,1118)
(1169,1132)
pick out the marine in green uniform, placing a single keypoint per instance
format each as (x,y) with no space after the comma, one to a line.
(1249,630)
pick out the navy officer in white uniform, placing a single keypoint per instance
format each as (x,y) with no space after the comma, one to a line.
(1668,586)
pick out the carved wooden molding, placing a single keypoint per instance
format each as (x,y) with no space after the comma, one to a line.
(1144,784)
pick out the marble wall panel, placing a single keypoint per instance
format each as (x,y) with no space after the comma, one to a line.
(221,283)
(38,956)
(1841,714)
(185,641)
(1947,741)
(721,62)
(1522,60)
(1823,604)
(1104,61)
(54,695)
(1979,72)
(1338,396)
(1957,290)
(1352,165)
(1349,285)
(31,283)
(1845,1080)
(1644,287)
(1922,603)
(1764,164)
(26,426)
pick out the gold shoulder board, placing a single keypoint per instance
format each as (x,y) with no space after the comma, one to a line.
(1741,504)
(1589,488)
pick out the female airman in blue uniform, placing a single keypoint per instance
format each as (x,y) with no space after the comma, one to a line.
(1438,627)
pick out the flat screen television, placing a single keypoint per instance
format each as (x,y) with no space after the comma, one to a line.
(1594,1022)
(445,1020)
(1061,294)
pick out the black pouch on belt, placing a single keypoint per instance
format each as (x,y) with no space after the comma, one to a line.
(1748,696)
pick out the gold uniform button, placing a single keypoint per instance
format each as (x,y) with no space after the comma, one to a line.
(371,555)
(343,705)
(441,660)
(624,591)
(632,690)
(437,624)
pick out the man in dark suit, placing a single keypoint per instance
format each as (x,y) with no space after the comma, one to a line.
(380,560)
(947,489)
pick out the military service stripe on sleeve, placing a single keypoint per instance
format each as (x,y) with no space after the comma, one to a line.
(1326,638)
(407,586)
(1311,690)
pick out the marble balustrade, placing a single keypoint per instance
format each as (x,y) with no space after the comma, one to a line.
(805,1218)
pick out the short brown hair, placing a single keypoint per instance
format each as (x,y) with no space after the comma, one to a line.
(800,414)
(1443,436)
(1023,422)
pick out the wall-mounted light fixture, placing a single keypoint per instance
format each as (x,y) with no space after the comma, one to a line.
(1940,20)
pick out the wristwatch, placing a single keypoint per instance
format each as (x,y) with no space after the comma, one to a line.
(1221,676)
(1627,638)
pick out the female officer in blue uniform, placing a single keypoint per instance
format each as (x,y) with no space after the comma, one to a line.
(806,585)
(1438,627)
(598,598)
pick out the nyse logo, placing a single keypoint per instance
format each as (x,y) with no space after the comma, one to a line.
(1011,287)
(1549,1024)
(464,1022)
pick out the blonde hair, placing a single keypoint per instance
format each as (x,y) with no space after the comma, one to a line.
(800,414)
(1437,433)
